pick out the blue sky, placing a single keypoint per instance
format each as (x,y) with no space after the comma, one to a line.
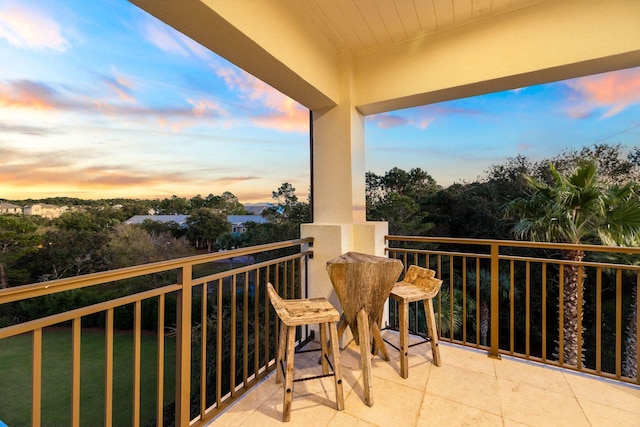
(98,99)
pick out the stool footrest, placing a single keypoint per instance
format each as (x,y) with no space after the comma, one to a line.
(315,377)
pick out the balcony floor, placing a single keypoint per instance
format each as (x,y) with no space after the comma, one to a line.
(469,389)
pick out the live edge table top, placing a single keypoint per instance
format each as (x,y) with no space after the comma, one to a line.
(363,281)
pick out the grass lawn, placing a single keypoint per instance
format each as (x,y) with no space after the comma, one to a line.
(15,378)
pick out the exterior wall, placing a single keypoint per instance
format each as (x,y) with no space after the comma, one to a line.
(45,211)
(10,209)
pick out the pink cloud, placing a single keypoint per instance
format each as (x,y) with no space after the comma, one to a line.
(30,28)
(613,91)
(28,94)
(284,113)
(388,121)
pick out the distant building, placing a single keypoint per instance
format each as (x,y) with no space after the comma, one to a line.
(256,208)
(10,208)
(181,220)
(45,210)
(238,222)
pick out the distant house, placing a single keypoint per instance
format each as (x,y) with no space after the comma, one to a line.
(10,208)
(238,222)
(256,208)
(45,210)
(181,220)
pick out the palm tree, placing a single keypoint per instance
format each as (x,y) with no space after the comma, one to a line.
(578,208)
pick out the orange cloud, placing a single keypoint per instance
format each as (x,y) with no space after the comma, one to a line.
(613,91)
(30,28)
(28,94)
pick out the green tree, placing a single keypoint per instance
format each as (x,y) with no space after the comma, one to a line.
(204,225)
(399,197)
(18,239)
(288,210)
(578,208)
(173,206)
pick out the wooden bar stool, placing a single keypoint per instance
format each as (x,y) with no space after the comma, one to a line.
(418,284)
(298,312)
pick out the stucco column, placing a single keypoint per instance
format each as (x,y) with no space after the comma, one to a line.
(339,206)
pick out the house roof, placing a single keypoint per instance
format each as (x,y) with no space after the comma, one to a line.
(139,219)
(182,219)
(243,219)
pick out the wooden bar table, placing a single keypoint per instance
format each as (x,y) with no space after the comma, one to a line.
(363,283)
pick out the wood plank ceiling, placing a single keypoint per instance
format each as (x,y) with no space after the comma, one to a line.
(365,24)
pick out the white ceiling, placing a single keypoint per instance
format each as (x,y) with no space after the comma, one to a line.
(364,24)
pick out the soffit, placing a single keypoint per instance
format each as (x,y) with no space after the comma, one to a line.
(358,25)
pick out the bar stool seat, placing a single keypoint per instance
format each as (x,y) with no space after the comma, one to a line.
(418,284)
(299,312)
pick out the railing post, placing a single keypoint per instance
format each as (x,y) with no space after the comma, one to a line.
(495,300)
(183,348)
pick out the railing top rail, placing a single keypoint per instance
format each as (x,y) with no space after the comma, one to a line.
(514,243)
(54,286)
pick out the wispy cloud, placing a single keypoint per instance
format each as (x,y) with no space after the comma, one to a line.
(612,92)
(33,95)
(282,113)
(30,28)
(419,117)
(48,169)
(171,41)
(121,85)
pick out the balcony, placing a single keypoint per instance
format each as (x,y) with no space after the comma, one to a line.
(468,389)
(208,319)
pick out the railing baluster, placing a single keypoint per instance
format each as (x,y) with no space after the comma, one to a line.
(512,308)
(108,369)
(76,330)
(183,346)
(219,318)
(234,333)
(495,289)
(245,330)
(544,311)
(561,314)
(478,303)
(36,379)
(527,298)
(256,323)
(618,323)
(580,301)
(160,364)
(599,320)
(137,336)
(464,299)
(203,349)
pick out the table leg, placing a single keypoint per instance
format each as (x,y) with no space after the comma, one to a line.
(342,325)
(379,342)
(365,355)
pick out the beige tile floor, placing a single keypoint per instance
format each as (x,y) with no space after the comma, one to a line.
(469,389)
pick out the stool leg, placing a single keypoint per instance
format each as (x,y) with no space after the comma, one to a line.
(433,331)
(288,376)
(282,340)
(337,367)
(404,338)
(365,355)
(324,348)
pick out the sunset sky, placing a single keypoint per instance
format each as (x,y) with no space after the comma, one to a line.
(98,99)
